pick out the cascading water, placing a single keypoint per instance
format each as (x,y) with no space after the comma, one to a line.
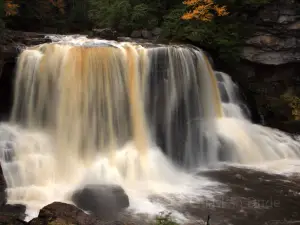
(90,111)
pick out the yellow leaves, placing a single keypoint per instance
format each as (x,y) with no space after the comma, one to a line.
(204,10)
(60,4)
(294,103)
(10,8)
(220,10)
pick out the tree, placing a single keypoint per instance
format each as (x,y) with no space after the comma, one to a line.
(10,8)
(59,4)
(203,10)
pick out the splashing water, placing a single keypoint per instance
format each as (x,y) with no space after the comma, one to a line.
(92,111)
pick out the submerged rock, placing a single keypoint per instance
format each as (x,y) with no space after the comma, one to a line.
(103,201)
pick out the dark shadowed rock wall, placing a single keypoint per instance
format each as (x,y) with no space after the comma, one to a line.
(270,68)
(11,44)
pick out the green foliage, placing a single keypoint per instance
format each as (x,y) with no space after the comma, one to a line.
(293,102)
(224,36)
(217,35)
(122,15)
(164,219)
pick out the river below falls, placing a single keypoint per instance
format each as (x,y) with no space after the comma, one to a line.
(244,196)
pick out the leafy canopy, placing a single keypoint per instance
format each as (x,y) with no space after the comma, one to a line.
(204,10)
(10,8)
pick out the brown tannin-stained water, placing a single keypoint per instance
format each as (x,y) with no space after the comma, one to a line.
(156,120)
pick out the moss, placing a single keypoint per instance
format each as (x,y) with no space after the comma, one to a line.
(294,104)
(165,219)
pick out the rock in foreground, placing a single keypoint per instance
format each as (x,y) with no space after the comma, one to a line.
(103,201)
(58,213)
(12,214)
(62,213)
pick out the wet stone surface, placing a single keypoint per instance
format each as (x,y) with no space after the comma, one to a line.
(254,198)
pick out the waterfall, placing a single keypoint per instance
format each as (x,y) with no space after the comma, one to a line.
(92,111)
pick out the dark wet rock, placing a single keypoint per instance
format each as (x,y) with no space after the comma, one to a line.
(258,198)
(58,213)
(62,212)
(156,31)
(146,34)
(223,94)
(11,43)
(103,201)
(2,188)
(277,37)
(267,85)
(105,33)
(136,34)
(12,214)
(271,63)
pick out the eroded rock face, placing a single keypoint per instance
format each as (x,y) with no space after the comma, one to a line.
(103,201)
(271,65)
(11,43)
(267,85)
(277,39)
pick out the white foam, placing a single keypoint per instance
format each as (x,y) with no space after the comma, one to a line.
(42,185)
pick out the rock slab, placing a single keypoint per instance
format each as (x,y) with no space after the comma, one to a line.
(277,37)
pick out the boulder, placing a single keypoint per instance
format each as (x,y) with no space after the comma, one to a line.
(103,201)
(62,213)
(156,31)
(136,34)
(58,213)
(12,214)
(146,34)
(105,33)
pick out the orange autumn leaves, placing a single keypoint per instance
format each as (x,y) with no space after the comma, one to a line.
(60,4)
(203,10)
(11,8)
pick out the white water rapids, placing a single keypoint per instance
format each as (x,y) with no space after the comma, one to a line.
(92,112)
